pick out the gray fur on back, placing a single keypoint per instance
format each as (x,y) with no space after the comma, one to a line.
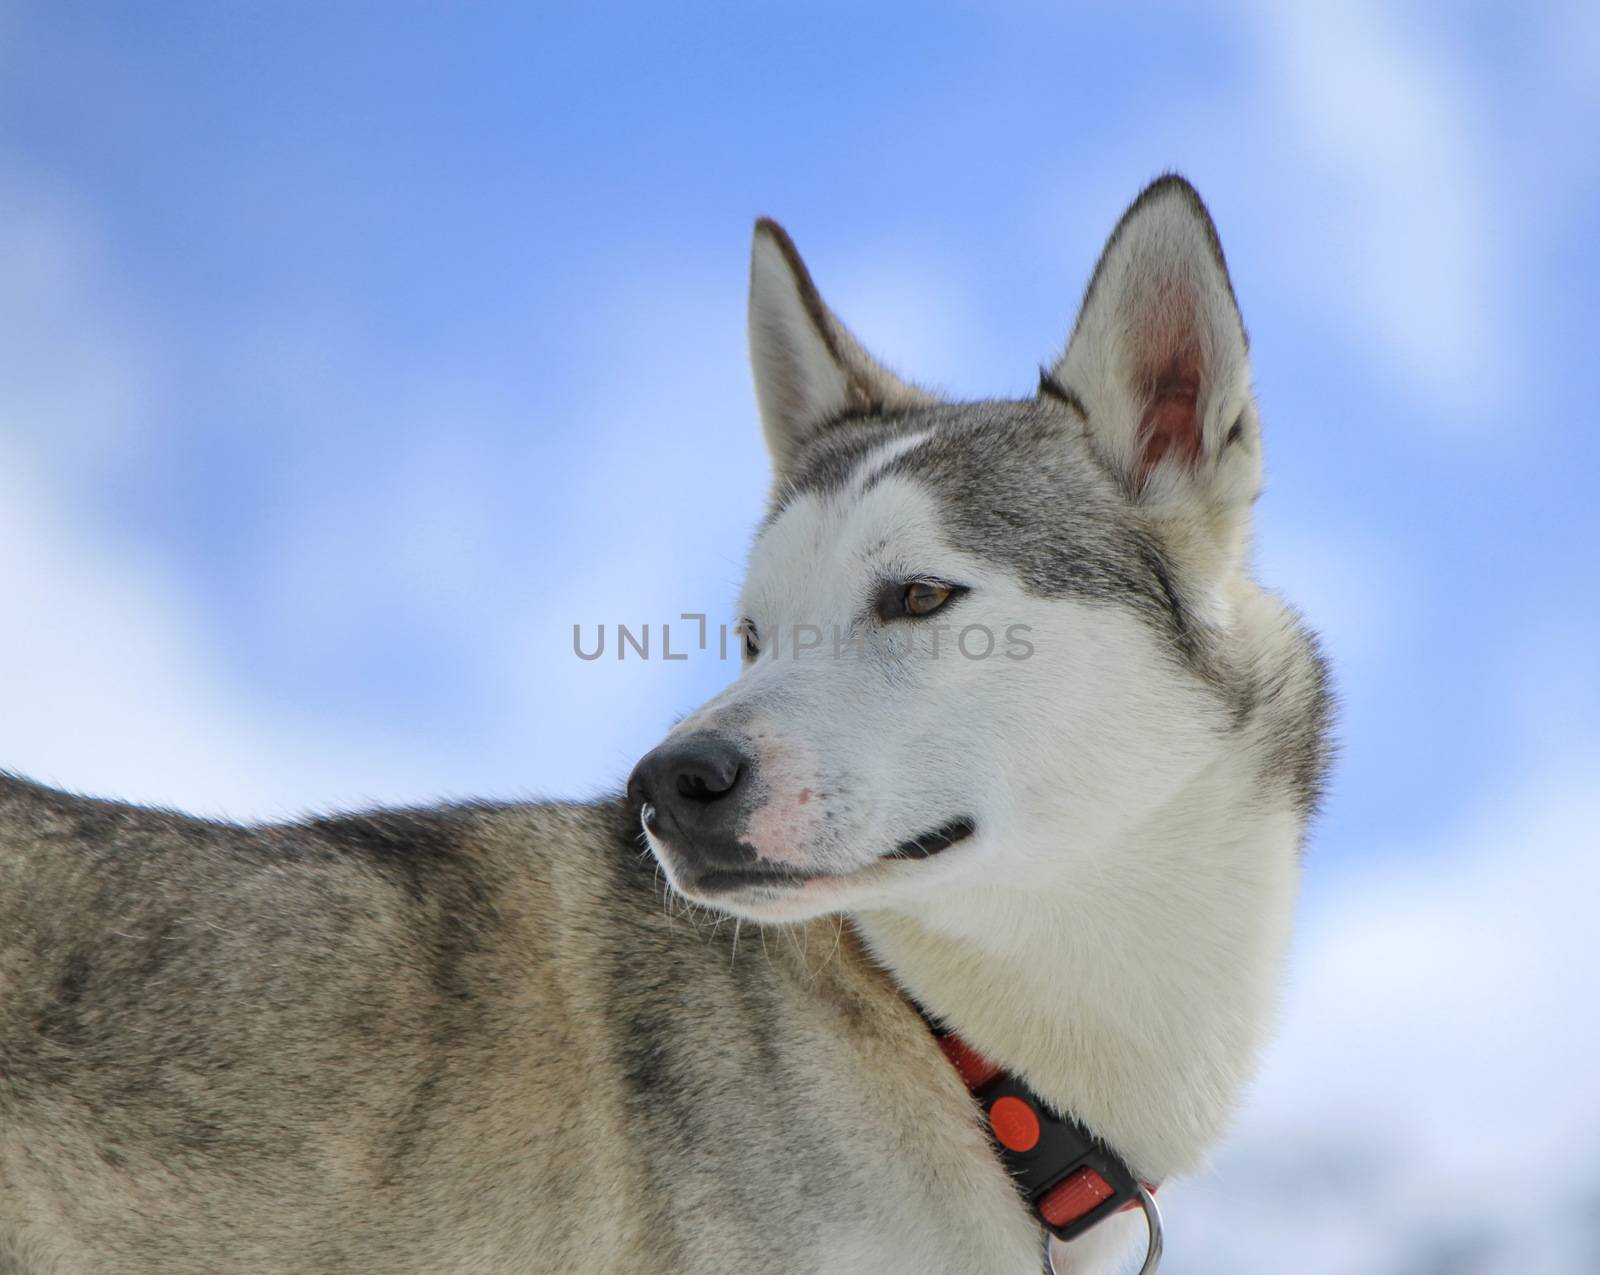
(376,1043)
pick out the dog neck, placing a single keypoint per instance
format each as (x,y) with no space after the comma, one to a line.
(1134,992)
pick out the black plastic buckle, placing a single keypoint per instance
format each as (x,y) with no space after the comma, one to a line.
(1064,1147)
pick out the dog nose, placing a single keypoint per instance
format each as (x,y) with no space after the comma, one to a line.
(690,782)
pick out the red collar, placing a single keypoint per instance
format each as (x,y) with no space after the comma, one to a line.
(1070,1179)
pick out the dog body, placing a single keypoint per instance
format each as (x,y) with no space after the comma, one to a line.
(1017,741)
(469,1040)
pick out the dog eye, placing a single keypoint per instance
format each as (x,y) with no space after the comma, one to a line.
(922,598)
(916,598)
(752,645)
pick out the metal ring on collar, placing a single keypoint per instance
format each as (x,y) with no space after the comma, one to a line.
(1152,1252)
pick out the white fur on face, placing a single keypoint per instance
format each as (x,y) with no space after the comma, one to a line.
(1052,756)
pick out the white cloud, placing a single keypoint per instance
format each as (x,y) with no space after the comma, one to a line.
(1357,588)
(662,501)
(1433,1090)
(76,367)
(1382,159)
(910,309)
(125,683)
(1572,45)
(1552,684)
(116,685)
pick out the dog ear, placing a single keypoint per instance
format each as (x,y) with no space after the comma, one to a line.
(1158,365)
(810,372)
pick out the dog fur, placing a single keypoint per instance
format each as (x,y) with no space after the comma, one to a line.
(480,1039)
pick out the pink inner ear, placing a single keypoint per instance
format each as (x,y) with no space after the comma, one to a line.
(1171,420)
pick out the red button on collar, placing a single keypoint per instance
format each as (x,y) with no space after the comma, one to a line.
(1015,1123)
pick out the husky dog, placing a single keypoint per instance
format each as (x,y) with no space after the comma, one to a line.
(1045,782)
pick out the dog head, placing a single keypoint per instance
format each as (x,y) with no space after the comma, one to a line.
(983,641)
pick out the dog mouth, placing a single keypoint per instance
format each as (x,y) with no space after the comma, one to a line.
(725,877)
(935,841)
(727,880)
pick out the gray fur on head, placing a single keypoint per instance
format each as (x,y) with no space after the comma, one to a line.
(1157,370)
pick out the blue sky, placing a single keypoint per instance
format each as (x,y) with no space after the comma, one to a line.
(351,354)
